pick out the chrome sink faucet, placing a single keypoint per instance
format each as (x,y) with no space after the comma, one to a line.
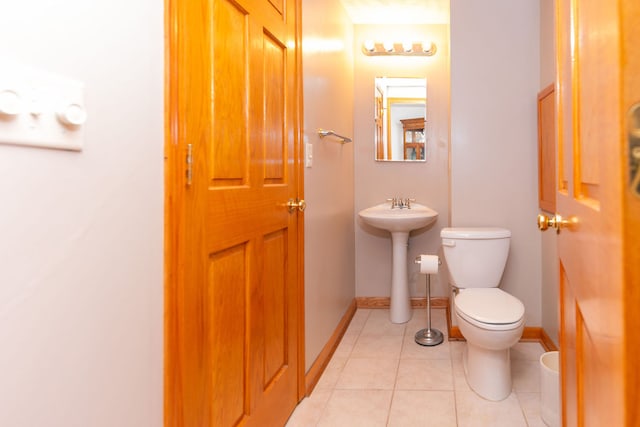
(400,203)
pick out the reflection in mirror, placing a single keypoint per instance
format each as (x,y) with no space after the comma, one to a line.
(400,119)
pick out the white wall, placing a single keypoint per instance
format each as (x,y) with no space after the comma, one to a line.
(81,248)
(547,43)
(328,103)
(427,182)
(495,66)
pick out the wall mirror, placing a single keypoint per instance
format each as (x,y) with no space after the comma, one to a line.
(400,119)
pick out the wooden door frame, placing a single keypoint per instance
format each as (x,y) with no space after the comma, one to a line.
(173,212)
(299,172)
(175,208)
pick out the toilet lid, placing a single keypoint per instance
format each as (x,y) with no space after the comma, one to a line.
(489,305)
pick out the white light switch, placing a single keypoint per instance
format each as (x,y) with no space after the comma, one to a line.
(308,154)
(40,109)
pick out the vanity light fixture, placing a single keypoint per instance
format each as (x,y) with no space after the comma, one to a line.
(406,48)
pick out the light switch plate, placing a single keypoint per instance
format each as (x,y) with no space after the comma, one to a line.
(308,154)
(40,109)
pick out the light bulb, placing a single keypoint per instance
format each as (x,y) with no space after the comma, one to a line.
(369,45)
(427,46)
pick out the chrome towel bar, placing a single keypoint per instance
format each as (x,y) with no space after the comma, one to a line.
(324,132)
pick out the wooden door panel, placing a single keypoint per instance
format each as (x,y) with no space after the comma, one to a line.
(599,385)
(230,95)
(278,5)
(249,214)
(588,375)
(228,287)
(564,96)
(584,364)
(547,149)
(277,22)
(568,348)
(272,12)
(275,305)
(593,90)
(274,110)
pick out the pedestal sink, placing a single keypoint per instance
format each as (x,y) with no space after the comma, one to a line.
(399,222)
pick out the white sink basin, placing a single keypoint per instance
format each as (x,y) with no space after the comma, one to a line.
(396,219)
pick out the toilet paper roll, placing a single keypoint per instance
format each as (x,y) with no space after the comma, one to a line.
(429,264)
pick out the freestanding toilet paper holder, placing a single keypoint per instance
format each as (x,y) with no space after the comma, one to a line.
(428,336)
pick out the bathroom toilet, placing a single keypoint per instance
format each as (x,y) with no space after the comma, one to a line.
(489,318)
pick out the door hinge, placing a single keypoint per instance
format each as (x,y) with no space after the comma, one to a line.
(189,164)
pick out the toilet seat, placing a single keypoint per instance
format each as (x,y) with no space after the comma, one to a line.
(489,308)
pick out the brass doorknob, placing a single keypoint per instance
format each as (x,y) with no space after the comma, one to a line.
(301,205)
(556,221)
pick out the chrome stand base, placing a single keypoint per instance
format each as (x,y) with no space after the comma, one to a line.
(429,337)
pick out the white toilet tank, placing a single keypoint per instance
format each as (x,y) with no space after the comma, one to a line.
(475,256)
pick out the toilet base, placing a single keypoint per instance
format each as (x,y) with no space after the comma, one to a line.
(488,372)
(487,358)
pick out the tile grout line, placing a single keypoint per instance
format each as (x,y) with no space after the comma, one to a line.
(347,358)
(524,414)
(455,389)
(395,381)
(324,406)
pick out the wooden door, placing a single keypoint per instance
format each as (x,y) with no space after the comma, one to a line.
(233,295)
(598,73)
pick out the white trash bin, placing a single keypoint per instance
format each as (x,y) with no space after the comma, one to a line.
(550,388)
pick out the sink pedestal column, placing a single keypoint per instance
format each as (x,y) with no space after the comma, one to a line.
(400,306)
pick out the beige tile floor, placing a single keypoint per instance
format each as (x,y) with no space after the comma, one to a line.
(379,376)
